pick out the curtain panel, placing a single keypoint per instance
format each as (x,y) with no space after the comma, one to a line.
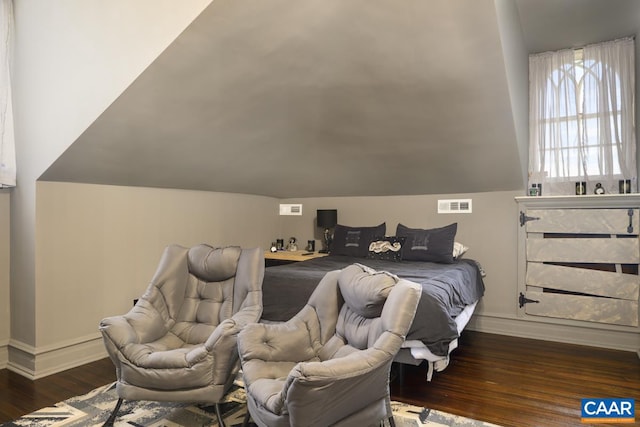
(582,118)
(7,139)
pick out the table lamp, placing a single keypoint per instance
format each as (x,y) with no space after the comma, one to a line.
(327,219)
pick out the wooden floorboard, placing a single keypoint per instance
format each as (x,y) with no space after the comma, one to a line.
(513,382)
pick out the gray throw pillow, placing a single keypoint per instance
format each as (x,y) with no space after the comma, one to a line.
(354,241)
(433,245)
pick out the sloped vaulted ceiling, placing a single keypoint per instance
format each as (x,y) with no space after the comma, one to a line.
(315,98)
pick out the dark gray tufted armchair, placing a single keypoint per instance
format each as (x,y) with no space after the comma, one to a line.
(329,365)
(178,343)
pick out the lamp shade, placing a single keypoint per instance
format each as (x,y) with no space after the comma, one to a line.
(327,218)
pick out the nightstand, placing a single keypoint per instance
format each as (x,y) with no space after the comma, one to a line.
(287,257)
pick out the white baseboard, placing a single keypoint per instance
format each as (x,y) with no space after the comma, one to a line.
(525,328)
(4,354)
(35,363)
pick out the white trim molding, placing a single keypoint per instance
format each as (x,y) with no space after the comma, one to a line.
(35,363)
(568,334)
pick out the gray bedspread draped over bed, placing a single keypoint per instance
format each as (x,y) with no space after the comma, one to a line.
(446,290)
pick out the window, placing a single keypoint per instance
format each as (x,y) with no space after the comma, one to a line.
(582,112)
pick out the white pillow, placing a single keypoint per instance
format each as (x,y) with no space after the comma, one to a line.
(459,249)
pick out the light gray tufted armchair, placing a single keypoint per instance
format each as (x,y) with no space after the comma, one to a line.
(329,365)
(178,343)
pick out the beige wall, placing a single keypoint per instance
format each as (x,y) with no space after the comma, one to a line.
(98,246)
(5,331)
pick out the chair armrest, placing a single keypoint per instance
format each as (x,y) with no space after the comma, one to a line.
(289,341)
(229,328)
(118,330)
(345,385)
(222,344)
(142,324)
(223,336)
(247,315)
(352,367)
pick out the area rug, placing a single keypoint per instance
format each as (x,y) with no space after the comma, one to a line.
(93,408)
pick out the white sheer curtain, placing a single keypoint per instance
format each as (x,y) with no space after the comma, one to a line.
(582,114)
(7,140)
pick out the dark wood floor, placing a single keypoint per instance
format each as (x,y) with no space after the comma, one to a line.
(509,381)
(520,382)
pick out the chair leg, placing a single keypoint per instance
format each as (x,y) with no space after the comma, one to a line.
(219,415)
(245,421)
(113,415)
(400,373)
(392,422)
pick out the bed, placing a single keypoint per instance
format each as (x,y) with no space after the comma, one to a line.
(450,294)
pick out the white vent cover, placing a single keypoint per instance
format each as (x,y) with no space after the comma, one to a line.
(454,206)
(294,209)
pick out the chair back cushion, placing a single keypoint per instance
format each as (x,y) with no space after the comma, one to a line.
(208,298)
(365,292)
(213,264)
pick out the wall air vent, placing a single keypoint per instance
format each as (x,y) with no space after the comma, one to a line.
(295,209)
(454,206)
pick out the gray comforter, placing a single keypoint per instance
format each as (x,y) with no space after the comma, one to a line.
(446,290)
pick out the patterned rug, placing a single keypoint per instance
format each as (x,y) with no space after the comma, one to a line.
(93,408)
